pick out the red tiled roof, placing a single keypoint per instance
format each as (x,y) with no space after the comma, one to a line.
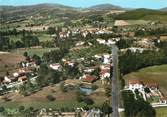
(163,98)
(135,82)
(152,85)
(89,79)
(103,71)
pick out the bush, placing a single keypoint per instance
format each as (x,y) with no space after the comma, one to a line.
(2,109)
(21,108)
(62,87)
(88,101)
(94,87)
(50,98)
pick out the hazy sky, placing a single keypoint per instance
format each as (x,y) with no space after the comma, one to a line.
(154,4)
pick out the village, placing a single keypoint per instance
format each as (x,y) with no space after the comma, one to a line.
(58,61)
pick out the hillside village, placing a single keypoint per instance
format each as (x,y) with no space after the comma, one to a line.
(64,64)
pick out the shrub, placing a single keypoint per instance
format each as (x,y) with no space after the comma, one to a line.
(88,101)
(2,109)
(21,108)
(94,87)
(50,98)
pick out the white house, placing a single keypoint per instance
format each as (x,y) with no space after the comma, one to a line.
(106,58)
(56,66)
(15,74)
(101,41)
(7,79)
(136,84)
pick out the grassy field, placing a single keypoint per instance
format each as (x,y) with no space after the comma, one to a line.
(32,51)
(137,22)
(42,37)
(161,112)
(155,74)
(39,99)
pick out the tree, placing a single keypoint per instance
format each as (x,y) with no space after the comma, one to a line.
(25,54)
(47,76)
(50,98)
(62,87)
(21,108)
(37,59)
(19,44)
(22,90)
(2,109)
(51,30)
(4,42)
(108,91)
(88,101)
(136,107)
(30,40)
(147,90)
(106,109)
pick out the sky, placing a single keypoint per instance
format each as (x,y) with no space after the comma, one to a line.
(153,4)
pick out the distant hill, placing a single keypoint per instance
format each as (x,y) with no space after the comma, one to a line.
(104,7)
(143,14)
(44,10)
(164,9)
(61,12)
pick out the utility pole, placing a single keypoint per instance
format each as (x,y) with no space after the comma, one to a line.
(115,89)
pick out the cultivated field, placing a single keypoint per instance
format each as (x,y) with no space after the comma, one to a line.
(155,74)
(8,61)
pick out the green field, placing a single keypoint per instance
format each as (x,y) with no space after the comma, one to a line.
(42,37)
(137,22)
(32,51)
(161,112)
(155,74)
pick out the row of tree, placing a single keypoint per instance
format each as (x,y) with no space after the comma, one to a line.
(133,61)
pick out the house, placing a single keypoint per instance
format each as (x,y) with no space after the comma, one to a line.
(134,49)
(63,35)
(106,58)
(105,76)
(101,41)
(110,42)
(85,33)
(89,69)
(106,66)
(56,66)
(104,73)
(152,86)
(22,79)
(80,43)
(136,84)
(163,100)
(7,79)
(88,78)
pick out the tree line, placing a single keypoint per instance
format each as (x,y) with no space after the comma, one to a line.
(130,61)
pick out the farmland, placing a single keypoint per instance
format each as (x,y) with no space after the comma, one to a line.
(8,61)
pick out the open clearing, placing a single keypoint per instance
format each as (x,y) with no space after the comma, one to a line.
(155,74)
(62,99)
